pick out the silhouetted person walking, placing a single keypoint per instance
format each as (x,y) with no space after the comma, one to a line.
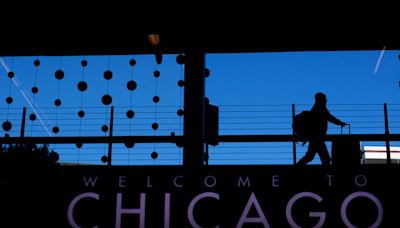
(321,116)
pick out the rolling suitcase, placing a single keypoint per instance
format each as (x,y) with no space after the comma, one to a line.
(346,152)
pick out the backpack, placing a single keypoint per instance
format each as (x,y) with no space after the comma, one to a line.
(303,125)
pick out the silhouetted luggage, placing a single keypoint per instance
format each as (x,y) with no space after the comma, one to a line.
(346,152)
(303,126)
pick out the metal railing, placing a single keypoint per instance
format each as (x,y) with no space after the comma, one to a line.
(249,134)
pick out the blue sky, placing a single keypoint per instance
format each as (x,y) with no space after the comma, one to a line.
(294,77)
(254,91)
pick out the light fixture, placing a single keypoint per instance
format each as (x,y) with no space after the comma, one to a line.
(154,40)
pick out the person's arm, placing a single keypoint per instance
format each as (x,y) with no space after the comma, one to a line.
(335,120)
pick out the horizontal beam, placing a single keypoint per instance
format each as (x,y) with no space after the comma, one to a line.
(245,45)
(174,139)
(124,42)
(290,138)
(90,139)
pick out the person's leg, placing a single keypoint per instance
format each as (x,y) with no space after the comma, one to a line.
(323,154)
(310,154)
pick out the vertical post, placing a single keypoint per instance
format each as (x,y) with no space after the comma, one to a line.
(294,141)
(23,122)
(388,159)
(206,155)
(111,135)
(194,91)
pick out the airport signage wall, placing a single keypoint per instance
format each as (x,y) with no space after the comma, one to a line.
(220,196)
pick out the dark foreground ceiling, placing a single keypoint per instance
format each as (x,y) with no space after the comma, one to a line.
(176,43)
(93,37)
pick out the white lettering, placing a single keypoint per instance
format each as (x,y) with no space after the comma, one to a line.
(243,183)
(167,209)
(122,181)
(244,219)
(176,181)
(360,180)
(320,215)
(193,204)
(149,184)
(141,210)
(214,181)
(275,181)
(90,181)
(346,202)
(70,213)
(329,176)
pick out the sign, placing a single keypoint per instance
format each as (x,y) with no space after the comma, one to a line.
(217,196)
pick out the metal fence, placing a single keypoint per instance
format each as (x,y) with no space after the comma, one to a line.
(273,122)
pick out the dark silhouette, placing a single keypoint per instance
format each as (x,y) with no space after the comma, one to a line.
(320,116)
(28,155)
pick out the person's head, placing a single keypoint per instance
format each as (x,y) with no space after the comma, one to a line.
(320,98)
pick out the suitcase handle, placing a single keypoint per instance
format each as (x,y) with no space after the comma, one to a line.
(341,129)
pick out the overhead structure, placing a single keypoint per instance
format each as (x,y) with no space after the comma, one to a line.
(98,41)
